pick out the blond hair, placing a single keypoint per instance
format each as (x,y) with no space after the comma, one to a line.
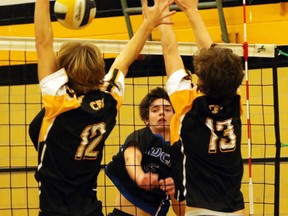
(84,66)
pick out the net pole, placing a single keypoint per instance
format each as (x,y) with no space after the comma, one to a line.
(245,56)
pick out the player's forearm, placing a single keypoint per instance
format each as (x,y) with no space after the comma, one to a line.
(173,60)
(44,39)
(133,159)
(202,36)
(133,48)
(42,23)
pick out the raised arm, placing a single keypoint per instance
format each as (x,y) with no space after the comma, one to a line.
(133,48)
(190,8)
(172,58)
(133,158)
(44,39)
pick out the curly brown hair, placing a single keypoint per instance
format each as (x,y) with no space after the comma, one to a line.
(220,72)
(84,65)
(148,99)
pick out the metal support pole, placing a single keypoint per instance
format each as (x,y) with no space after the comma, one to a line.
(223,25)
(202,5)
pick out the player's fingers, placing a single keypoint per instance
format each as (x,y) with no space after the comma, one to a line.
(153,180)
(166,14)
(166,184)
(144,8)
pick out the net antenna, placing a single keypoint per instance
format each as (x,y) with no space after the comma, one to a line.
(245,56)
(280,52)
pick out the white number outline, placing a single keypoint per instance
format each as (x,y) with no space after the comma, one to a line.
(228,134)
(85,150)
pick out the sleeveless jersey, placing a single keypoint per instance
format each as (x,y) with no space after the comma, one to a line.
(205,139)
(71,141)
(155,158)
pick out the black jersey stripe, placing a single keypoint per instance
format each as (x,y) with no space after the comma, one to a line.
(112,80)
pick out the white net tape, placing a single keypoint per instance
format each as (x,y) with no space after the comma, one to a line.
(150,48)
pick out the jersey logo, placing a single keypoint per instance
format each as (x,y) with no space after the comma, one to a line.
(97,105)
(151,168)
(159,153)
(215,108)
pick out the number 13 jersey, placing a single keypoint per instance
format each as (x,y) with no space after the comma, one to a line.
(205,139)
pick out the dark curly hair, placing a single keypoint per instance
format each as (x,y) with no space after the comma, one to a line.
(220,72)
(148,99)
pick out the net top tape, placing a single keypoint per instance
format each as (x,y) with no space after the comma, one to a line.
(150,48)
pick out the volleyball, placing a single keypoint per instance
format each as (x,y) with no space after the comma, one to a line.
(75,14)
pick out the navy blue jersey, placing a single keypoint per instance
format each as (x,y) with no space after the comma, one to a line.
(71,141)
(206,138)
(155,158)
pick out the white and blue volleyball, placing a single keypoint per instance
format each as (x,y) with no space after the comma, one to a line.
(75,14)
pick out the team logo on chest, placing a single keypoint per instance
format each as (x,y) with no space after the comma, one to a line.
(97,105)
(215,108)
(159,153)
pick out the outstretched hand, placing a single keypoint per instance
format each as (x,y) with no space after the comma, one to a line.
(158,12)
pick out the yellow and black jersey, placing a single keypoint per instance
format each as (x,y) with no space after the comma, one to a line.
(206,151)
(71,141)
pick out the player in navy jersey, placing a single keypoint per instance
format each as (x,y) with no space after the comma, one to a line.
(206,127)
(142,168)
(81,104)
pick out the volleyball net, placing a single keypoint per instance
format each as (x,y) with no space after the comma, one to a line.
(20,101)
